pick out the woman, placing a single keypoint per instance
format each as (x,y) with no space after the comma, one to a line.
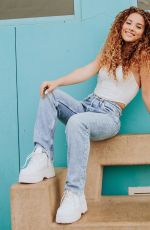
(124,66)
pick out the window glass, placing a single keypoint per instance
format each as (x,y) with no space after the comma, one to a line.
(144,4)
(11,9)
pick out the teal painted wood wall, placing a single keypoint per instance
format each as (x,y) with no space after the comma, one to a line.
(35,50)
(9,155)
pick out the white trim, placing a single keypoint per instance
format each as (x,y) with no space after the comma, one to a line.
(134,2)
(77,9)
(39,20)
(139,190)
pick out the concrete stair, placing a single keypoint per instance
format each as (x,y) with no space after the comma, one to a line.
(33,207)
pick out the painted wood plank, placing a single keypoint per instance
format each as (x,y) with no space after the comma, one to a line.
(9,161)
(48,51)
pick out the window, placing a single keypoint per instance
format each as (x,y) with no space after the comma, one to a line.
(144,4)
(12,9)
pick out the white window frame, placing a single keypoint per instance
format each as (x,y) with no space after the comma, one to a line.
(39,20)
(134,3)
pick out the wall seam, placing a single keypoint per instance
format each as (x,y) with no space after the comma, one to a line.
(16,66)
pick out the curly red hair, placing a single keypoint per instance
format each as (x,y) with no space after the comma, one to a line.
(113,54)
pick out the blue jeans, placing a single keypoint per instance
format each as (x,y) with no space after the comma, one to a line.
(93,118)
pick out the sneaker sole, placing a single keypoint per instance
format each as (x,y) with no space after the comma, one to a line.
(48,173)
(67,220)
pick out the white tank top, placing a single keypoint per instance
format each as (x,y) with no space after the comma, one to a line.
(120,90)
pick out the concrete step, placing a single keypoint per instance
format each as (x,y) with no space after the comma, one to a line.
(34,206)
(115,213)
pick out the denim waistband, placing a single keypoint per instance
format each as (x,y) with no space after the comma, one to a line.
(109,101)
(104,104)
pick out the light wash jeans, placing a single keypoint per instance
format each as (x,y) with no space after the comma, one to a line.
(93,118)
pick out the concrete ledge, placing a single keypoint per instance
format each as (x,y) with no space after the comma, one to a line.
(114,213)
(132,149)
(34,206)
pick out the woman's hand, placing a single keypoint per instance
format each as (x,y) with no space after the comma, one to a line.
(47,86)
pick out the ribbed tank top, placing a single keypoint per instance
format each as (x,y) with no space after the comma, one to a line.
(120,90)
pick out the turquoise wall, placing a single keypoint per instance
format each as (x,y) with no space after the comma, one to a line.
(9,160)
(35,50)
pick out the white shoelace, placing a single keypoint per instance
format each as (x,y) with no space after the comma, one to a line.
(65,195)
(27,159)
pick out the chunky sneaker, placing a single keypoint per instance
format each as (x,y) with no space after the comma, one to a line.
(71,207)
(38,168)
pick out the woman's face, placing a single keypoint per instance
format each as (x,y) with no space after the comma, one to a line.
(133,28)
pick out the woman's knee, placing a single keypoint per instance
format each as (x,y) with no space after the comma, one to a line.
(51,97)
(48,99)
(75,123)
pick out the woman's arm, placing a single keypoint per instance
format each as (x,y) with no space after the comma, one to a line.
(145,85)
(77,76)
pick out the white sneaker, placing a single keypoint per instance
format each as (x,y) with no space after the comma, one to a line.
(38,168)
(71,207)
